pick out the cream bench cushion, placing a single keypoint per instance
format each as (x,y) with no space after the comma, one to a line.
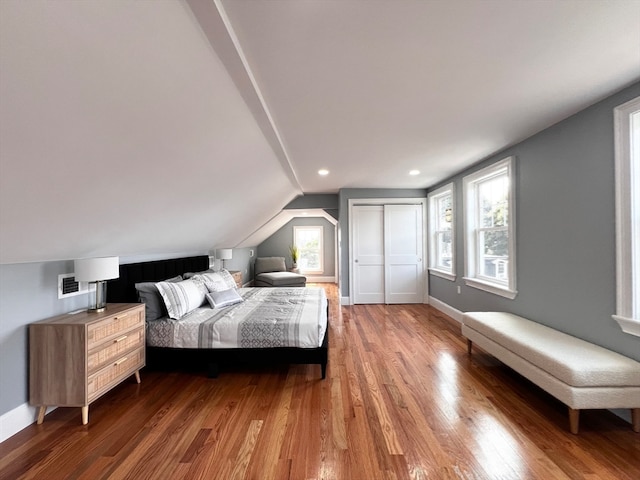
(578,373)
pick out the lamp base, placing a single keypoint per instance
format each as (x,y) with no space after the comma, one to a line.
(98,299)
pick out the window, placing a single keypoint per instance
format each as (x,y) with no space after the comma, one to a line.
(490,261)
(627,153)
(441,233)
(309,242)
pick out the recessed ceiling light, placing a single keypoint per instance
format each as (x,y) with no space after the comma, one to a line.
(323,172)
(413,173)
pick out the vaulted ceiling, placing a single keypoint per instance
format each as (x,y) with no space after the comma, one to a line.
(150,128)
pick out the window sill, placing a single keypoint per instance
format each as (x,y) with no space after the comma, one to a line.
(442,274)
(491,288)
(628,325)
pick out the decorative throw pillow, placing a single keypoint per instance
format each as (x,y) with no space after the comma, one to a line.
(216,281)
(224,298)
(188,275)
(181,298)
(149,295)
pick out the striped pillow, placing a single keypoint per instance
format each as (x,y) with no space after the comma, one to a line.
(215,281)
(181,298)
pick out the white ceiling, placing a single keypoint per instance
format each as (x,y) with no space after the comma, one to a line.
(373,89)
(139,128)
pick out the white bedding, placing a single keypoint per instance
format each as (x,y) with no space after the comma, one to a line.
(267,318)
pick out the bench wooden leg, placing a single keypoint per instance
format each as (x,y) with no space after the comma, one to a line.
(635,419)
(574,420)
(469,346)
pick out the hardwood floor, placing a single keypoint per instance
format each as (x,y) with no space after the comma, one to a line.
(402,399)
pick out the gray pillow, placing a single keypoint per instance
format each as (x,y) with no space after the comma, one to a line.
(224,298)
(149,295)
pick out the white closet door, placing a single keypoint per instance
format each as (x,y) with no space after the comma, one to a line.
(368,254)
(403,254)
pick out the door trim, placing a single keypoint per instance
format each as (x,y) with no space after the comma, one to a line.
(389,201)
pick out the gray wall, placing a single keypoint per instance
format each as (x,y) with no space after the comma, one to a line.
(28,293)
(565,238)
(329,202)
(277,245)
(326,201)
(243,261)
(361,193)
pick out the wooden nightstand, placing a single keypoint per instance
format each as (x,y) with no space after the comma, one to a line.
(237,276)
(76,358)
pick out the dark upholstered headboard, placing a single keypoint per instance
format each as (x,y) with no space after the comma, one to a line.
(122,289)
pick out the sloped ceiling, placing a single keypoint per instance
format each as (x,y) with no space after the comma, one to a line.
(138,128)
(122,133)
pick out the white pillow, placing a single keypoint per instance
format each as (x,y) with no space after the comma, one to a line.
(224,298)
(180,298)
(216,281)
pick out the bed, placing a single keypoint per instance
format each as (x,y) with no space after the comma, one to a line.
(252,331)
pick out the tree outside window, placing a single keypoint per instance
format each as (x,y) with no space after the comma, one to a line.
(441,232)
(489,196)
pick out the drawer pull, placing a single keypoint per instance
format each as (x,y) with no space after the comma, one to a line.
(117,340)
(120,361)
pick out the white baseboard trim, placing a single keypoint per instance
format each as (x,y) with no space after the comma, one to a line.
(445,308)
(15,420)
(320,279)
(345,301)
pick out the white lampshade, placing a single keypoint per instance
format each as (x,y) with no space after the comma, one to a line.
(96,269)
(224,253)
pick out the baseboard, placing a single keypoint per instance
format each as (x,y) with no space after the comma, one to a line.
(447,309)
(320,279)
(345,301)
(15,420)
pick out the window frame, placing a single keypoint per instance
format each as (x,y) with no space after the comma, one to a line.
(433,199)
(473,229)
(320,229)
(627,188)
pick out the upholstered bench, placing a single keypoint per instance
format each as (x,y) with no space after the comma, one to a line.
(578,373)
(272,272)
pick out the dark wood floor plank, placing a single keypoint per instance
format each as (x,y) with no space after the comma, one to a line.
(402,400)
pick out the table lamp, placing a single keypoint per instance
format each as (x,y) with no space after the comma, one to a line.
(98,271)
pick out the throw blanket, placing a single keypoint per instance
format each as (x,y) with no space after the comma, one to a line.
(267,318)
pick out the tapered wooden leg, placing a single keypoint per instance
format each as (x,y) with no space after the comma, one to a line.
(469,346)
(574,420)
(41,411)
(635,419)
(137,374)
(85,414)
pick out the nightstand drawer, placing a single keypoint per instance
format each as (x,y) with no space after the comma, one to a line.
(125,342)
(109,376)
(113,326)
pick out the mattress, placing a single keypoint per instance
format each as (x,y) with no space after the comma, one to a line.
(266,318)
